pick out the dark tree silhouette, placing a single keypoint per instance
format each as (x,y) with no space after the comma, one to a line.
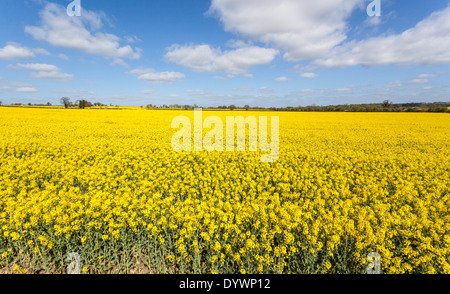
(66,102)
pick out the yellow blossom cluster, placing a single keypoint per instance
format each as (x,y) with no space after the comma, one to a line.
(107,184)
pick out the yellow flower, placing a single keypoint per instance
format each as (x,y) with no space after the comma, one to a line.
(362,182)
(171,257)
(19,269)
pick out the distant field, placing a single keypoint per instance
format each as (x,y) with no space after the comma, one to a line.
(107,185)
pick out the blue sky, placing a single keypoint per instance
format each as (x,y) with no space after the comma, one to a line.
(222,52)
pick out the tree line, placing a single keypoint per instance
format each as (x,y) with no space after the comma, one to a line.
(386,106)
(82,104)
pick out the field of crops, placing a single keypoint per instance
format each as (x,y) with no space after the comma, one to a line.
(107,185)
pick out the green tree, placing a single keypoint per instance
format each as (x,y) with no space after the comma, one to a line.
(82,104)
(66,102)
(387,104)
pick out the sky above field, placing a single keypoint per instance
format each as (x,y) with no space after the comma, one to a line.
(222,52)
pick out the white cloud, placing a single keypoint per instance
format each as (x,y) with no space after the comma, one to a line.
(132,39)
(44,71)
(302,29)
(427,76)
(150,92)
(344,90)
(282,79)
(19,90)
(394,84)
(265,90)
(161,77)
(428,43)
(243,89)
(203,58)
(140,71)
(26,90)
(373,21)
(38,67)
(120,62)
(63,56)
(227,77)
(308,75)
(153,77)
(42,51)
(317,31)
(51,75)
(419,81)
(15,51)
(73,33)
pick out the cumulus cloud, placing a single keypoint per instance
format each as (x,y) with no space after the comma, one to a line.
(51,75)
(428,43)
(14,51)
(317,31)
(120,62)
(243,89)
(153,77)
(38,67)
(204,58)
(282,79)
(394,84)
(63,56)
(308,75)
(161,77)
(302,29)
(140,71)
(79,33)
(419,81)
(18,89)
(44,71)
(26,90)
(265,90)
(427,76)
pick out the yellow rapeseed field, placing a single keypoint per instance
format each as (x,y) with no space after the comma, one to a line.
(107,185)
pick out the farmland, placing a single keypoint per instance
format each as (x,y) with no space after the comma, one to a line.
(107,185)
